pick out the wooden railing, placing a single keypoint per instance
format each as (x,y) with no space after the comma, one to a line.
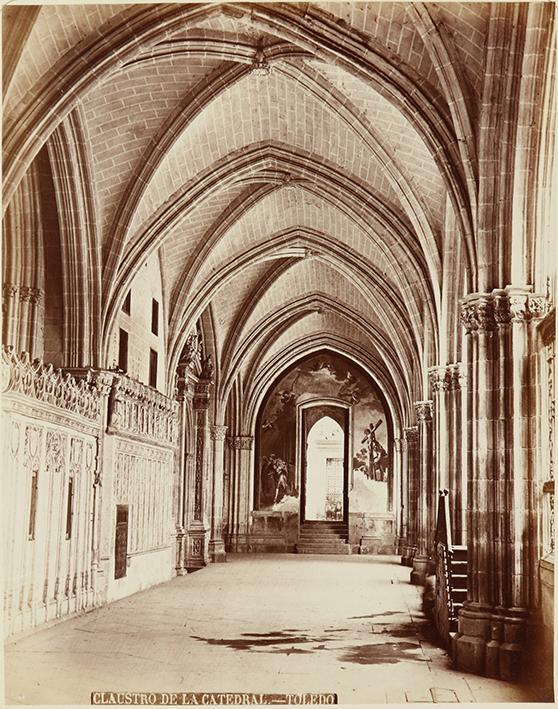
(444,614)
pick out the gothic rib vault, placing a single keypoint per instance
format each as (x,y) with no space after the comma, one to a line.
(282,179)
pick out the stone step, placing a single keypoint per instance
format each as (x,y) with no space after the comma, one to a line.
(458,595)
(321,535)
(321,543)
(459,581)
(341,549)
(459,567)
(459,553)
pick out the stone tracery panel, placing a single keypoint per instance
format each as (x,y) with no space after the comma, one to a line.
(143,481)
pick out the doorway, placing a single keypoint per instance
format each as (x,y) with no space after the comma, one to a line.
(324,458)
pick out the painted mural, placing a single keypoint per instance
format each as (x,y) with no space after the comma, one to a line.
(322,375)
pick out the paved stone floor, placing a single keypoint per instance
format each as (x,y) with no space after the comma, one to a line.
(259,623)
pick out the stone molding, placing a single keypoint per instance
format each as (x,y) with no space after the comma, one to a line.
(241,442)
(42,382)
(218,433)
(135,408)
(485,312)
(423,411)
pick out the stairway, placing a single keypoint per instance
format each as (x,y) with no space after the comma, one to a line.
(458,582)
(323,538)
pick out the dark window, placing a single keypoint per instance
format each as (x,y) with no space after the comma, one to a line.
(121,541)
(123,350)
(154,317)
(153,368)
(127,304)
(70,508)
(33,504)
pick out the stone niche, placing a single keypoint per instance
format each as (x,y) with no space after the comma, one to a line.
(372,532)
(273,531)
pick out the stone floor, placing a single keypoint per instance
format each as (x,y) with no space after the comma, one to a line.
(259,623)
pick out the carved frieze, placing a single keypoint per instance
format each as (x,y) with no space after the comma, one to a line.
(32,378)
(137,409)
(240,442)
(23,293)
(484,312)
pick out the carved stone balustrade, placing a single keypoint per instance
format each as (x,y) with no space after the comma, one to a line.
(42,382)
(138,410)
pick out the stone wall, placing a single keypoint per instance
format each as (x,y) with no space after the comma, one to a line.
(75,446)
(145,287)
(50,425)
(142,479)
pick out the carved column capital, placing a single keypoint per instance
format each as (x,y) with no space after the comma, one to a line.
(423,411)
(484,312)
(440,378)
(241,442)
(458,376)
(30,294)
(411,434)
(9,290)
(218,433)
(525,305)
(477,313)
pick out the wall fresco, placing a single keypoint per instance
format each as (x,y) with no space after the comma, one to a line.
(322,375)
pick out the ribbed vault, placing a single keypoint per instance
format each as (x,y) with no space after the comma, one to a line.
(298,170)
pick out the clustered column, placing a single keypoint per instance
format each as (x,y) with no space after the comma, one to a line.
(239,491)
(216,543)
(502,537)
(446,382)
(196,554)
(410,464)
(400,470)
(426,494)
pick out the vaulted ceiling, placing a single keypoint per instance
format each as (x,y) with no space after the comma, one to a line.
(304,170)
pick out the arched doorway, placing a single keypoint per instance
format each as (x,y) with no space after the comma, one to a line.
(324,475)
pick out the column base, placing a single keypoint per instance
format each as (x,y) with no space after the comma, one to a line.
(420,570)
(490,642)
(180,541)
(407,555)
(217,553)
(196,557)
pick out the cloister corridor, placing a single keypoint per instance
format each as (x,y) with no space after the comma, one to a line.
(352,625)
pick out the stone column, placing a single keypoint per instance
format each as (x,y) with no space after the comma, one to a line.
(439,384)
(426,494)
(241,447)
(410,463)
(400,471)
(216,543)
(458,463)
(184,396)
(501,535)
(196,553)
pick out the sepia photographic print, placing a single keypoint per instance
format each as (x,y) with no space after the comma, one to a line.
(278,361)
